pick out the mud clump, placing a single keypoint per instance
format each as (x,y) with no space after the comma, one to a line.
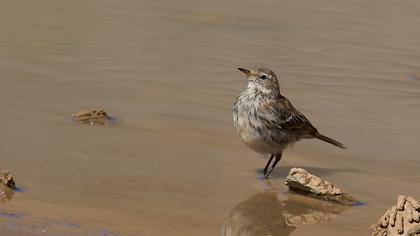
(6,179)
(7,185)
(400,220)
(301,181)
(94,116)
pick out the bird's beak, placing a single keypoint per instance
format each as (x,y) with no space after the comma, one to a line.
(247,72)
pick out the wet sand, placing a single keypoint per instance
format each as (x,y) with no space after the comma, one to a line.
(173,163)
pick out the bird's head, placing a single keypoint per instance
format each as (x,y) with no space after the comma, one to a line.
(262,79)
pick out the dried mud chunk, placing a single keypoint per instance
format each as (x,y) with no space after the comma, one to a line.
(94,116)
(402,219)
(400,202)
(392,215)
(399,222)
(301,181)
(415,231)
(7,179)
(410,212)
(385,219)
(414,203)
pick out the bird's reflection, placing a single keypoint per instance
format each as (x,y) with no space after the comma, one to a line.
(266,214)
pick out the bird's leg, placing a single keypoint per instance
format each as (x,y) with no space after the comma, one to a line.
(268,164)
(278,158)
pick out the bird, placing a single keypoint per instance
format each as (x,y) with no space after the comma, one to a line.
(266,121)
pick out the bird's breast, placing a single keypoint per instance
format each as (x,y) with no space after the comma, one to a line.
(254,127)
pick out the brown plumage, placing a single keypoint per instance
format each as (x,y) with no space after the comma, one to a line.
(267,121)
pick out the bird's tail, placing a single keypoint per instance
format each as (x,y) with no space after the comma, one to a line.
(329,140)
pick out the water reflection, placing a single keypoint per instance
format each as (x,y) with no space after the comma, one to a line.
(6,194)
(266,214)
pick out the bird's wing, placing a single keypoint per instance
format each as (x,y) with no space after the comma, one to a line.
(292,119)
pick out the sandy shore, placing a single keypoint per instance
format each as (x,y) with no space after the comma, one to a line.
(173,164)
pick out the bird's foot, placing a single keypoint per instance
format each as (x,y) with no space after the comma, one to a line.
(266,174)
(265,171)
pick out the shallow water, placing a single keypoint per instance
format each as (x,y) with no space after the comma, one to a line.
(173,164)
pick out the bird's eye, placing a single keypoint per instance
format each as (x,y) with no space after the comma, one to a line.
(263,77)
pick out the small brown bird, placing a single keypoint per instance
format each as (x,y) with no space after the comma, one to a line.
(267,121)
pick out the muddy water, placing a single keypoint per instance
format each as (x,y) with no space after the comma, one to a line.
(173,164)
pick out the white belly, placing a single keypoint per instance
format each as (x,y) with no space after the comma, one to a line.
(257,133)
(259,138)
(261,142)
